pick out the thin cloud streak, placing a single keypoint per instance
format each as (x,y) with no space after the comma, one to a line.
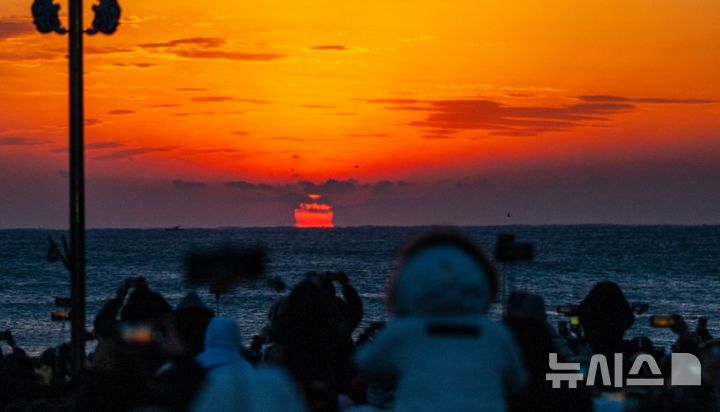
(132,152)
(332,47)
(20,141)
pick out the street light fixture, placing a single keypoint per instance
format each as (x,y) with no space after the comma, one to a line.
(107,17)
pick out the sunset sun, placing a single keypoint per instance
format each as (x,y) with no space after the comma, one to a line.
(396,113)
(314,213)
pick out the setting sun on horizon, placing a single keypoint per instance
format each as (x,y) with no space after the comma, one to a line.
(403,112)
(314,214)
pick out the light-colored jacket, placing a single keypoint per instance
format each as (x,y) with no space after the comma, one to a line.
(447,354)
(232,384)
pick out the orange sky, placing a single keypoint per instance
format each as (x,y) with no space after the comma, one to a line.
(279,92)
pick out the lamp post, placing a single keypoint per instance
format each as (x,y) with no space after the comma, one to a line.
(45,17)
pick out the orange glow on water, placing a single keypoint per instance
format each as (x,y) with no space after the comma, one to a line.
(314,214)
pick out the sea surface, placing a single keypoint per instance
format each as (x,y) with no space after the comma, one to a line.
(675,269)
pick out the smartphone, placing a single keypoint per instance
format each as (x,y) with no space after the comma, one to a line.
(662,321)
(62,302)
(140,333)
(59,316)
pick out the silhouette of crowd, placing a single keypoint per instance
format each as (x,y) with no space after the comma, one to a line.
(439,350)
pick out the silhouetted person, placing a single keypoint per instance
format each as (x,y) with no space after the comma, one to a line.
(178,381)
(447,353)
(605,316)
(536,343)
(350,303)
(529,306)
(118,381)
(193,317)
(16,373)
(275,334)
(315,340)
(143,309)
(144,304)
(705,397)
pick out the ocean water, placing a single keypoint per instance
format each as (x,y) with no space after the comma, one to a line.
(675,269)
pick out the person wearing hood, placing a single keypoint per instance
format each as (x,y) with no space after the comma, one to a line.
(231,383)
(440,344)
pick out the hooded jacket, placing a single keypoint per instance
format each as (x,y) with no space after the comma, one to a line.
(232,384)
(446,353)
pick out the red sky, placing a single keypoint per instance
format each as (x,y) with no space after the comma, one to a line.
(403,112)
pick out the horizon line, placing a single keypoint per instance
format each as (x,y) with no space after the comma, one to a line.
(171,228)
